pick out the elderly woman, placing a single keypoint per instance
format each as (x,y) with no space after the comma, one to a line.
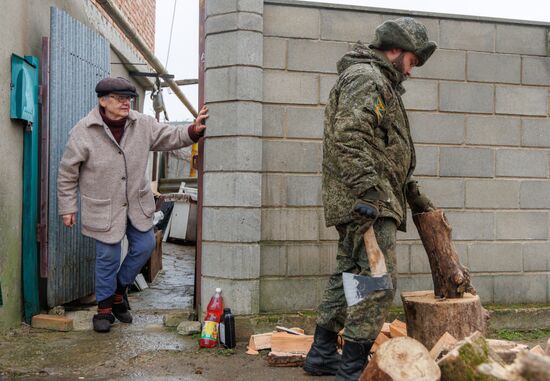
(106,159)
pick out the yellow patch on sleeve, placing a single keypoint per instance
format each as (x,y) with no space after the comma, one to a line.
(379,109)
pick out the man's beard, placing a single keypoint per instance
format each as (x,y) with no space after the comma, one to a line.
(399,64)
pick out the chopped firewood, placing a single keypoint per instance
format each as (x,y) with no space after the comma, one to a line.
(380,339)
(548,348)
(252,351)
(285,359)
(297,331)
(537,349)
(506,350)
(461,363)
(260,341)
(386,329)
(398,328)
(443,345)
(285,342)
(401,359)
(527,366)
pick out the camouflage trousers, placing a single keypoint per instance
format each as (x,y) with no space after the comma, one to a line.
(362,321)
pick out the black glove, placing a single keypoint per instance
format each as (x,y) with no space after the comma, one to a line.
(418,202)
(364,214)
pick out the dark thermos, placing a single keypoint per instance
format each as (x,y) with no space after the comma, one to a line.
(227,329)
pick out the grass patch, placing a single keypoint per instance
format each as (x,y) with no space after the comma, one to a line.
(508,334)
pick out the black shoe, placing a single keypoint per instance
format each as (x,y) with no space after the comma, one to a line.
(323,358)
(102,322)
(354,360)
(120,310)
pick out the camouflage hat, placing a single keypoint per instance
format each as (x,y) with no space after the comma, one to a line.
(405,33)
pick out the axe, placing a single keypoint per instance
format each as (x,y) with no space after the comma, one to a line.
(358,287)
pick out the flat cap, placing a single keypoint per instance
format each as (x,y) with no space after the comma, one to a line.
(116,85)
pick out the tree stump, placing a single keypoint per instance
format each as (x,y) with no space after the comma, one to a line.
(429,318)
(451,279)
(401,359)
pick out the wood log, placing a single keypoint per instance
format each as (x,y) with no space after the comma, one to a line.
(531,366)
(506,350)
(429,318)
(401,359)
(450,278)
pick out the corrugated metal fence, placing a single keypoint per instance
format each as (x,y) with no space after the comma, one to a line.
(79,59)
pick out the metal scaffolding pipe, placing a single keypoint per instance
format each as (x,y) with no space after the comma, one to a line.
(149,56)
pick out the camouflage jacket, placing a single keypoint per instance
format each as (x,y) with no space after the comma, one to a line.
(367,142)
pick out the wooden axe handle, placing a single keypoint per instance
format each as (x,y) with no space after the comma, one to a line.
(376,257)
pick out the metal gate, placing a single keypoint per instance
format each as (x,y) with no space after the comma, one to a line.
(79,58)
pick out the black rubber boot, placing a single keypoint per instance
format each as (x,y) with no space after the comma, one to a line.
(323,358)
(120,306)
(354,360)
(104,318)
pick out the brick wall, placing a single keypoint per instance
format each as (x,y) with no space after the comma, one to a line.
(141,15)
(479,117)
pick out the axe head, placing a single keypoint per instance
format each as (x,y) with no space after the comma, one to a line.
(358,287)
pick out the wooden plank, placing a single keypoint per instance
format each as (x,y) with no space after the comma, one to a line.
(52,322)
(285,342)
(445,343)
(398,328)
(290,330)
(260,341)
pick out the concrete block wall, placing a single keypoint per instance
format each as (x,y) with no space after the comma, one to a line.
(480,120)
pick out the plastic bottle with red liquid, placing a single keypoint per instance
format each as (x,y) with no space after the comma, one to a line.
(214,311)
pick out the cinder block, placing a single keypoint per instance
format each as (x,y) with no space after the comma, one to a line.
(490,130)
(234,21)
(274,120)
(536,133)
(411,233)
(327,82)
(296,224)
(421,94)
(287,87)
(536,71)
(495,257)
(492,194)
(318,56)
(536,256)
(216,7)
(444,193)
(305,122)
(297,22)
(275,295)
(275,52)
(486,67)
(232,261)
(467,35)
(326,233)
(348,26)
(530,288)
(470,226)
(521,100)
(273,190)
(303,190)
(470,162)
(233,83)
(437,128)
(292,156)
(244,154)
(521,225)
(466,97)
(419,260)
(52,322)
(311,259)
(234,48)
(520,39)
(403,259)
(273,260)
(234,118)
(462,252)
(535,194)
(232,189)
(443,64)
(521,163)
(231,224)
(242,295)
(427,160)
(485,287)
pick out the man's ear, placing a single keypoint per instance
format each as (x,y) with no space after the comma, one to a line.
(102,101)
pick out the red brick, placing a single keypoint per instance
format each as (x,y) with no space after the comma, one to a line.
(52,322)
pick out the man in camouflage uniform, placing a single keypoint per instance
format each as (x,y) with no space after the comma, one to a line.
(368,161)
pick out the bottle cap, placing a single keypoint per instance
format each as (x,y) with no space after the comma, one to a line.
(218,290)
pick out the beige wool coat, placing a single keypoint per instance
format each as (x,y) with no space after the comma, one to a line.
(112,178)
